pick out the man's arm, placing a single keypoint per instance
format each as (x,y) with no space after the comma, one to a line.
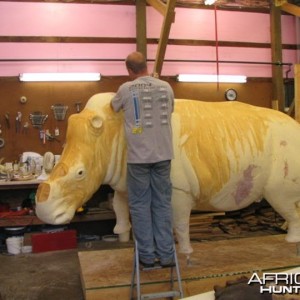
(111,105)
(116,102)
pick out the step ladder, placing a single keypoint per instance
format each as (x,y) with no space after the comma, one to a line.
(136,280)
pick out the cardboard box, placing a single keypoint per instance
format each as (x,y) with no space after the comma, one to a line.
(27,239)
(51,241)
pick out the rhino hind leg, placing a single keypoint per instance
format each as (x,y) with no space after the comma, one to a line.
(293,234)
(182,206)
(123,226)
(289,209)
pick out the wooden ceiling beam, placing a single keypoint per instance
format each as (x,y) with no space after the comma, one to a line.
(180,3)
(160,6)
(288,7)
(291,9)
(132,40)
(169,18)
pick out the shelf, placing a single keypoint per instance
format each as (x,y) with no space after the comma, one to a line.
(34,220)
(18,185)
(8,187)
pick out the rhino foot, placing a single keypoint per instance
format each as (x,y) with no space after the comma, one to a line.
(191,262)
(293,235)
(185,249)
(124,237)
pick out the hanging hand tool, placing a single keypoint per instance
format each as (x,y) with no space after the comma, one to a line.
(78,105)
(25,128)
(51,137)
(7,120)
(18,122)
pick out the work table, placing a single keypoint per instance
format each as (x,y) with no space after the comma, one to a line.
(19,184)
(18,188)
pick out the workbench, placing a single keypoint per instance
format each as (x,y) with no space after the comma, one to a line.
(17,185)
(16,190)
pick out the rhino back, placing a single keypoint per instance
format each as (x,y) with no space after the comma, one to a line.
(229,145)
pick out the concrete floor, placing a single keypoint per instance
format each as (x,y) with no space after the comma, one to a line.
(46,276)
(55,275)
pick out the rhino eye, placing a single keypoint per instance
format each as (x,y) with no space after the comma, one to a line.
(80,173)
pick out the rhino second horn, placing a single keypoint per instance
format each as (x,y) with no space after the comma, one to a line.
(97,122)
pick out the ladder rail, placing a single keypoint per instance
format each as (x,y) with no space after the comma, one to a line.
(160,295)
(136,275)
(178,273)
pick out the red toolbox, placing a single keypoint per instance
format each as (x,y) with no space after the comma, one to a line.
(51,241)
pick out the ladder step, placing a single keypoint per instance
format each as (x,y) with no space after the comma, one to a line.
(160,295)
(155,267)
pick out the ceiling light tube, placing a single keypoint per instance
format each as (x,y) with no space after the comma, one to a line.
(60,76)
(209,2)
(211,78)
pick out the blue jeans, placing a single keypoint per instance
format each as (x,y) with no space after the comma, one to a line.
(149,196)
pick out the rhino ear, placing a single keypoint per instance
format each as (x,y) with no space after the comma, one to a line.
(97,122)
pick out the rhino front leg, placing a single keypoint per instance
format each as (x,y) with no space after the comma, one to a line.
(293,220)
(182,206)
(123,226)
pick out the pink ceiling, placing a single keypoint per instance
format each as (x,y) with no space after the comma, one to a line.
(88,20)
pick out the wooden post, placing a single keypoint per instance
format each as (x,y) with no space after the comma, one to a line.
(297,92)
(141,32)
(298,249)
(277,70)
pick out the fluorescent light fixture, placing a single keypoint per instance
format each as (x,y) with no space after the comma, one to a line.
(60,77)
(211,78)
(209,2)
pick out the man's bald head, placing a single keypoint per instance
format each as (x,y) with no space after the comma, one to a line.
(136,64)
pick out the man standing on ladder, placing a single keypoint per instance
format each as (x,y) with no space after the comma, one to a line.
(148,103)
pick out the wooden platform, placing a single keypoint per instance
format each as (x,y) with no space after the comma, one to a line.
(106,274)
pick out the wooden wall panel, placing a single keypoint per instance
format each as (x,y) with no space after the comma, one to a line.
(253,92)
(41,96)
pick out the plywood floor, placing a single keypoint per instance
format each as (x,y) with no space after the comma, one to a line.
(106,274)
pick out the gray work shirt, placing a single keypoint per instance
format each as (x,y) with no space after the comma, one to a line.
(147,103)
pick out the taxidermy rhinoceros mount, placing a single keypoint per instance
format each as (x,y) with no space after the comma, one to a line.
(227,156)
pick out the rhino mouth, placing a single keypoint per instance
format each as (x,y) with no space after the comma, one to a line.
(53,216)
(63,218)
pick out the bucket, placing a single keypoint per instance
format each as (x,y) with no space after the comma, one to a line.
(14,244)
(14,231)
